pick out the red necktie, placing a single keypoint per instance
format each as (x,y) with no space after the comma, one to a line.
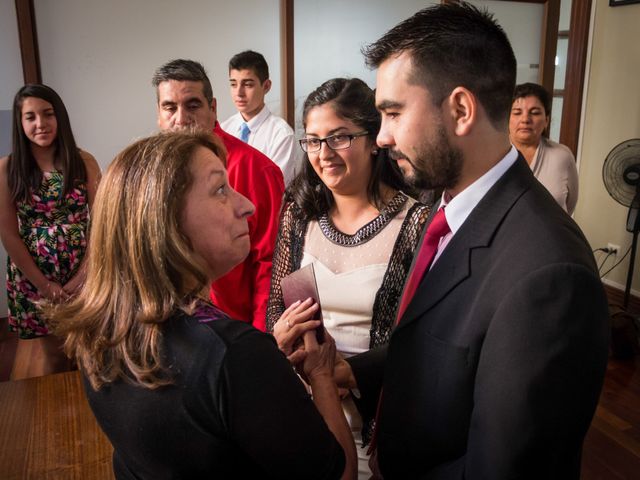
(437,229)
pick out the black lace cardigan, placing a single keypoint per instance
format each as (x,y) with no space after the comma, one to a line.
(289,250)
(287,257)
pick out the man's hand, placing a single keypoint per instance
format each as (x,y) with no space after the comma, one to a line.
(342,374)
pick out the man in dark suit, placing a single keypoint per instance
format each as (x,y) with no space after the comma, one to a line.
(496,365)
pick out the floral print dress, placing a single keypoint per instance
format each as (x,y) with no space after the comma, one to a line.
(54,231)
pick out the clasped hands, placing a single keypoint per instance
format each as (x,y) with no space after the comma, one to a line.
(57,293)
(295,334)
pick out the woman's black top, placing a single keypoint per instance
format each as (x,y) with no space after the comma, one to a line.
(235,410)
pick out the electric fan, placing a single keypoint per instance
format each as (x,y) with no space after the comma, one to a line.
(621,176)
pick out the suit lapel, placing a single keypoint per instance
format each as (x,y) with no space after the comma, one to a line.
(454,265)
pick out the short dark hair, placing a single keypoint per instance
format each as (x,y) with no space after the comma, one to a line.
(534,90)
(184,70)
(353,100)
(250,60)
(23,174)
(451,45)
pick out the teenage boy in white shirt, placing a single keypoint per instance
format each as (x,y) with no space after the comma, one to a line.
(254,123)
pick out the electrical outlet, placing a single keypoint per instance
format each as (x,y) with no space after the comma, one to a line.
(614,249)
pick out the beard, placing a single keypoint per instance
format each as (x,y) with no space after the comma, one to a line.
(437,164)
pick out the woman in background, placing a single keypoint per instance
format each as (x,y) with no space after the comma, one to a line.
(181,390)
(47,186)
(552,163)
(346,214)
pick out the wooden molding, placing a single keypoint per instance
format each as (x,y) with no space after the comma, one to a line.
(25,14)
(550,23)
(616,297)
(4,329)
(286,58)
(574,80)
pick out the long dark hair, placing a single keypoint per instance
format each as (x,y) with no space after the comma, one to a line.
(24,175)
(352,100)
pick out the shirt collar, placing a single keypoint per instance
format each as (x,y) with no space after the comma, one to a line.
(460,206)
(258,120)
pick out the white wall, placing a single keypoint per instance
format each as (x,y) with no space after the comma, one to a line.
(611,115)
(11,71)
(10,82)
(100,57)
(522,22)
(330,34)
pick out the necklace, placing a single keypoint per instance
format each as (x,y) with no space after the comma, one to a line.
(368,231)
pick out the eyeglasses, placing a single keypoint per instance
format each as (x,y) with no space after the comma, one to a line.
(339,141)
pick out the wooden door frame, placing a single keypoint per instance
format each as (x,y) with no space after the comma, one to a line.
(574,79)
(573,90)
(287,70)
(27,33)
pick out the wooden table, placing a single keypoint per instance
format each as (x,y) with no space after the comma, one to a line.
(47,431)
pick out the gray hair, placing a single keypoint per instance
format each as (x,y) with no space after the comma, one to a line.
(184,70)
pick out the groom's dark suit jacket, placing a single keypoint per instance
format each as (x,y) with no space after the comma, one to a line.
(496,367)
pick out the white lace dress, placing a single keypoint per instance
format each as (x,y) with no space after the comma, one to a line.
(348,279)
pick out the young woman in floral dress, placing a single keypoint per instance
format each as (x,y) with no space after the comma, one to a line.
(47,185)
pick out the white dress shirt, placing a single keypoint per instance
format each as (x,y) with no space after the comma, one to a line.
(460,206)
(272,136)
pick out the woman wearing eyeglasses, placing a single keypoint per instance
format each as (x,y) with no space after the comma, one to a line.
(346,214)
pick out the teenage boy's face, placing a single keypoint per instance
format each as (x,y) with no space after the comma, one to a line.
(247,92)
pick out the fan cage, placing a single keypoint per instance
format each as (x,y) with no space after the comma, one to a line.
(623,156)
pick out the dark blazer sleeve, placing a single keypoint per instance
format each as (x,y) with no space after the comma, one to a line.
(368,370)
(538,379)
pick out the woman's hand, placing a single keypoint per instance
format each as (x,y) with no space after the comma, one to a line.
(319,358)
(294,322)
(318,368)
(73,286)
(53,291)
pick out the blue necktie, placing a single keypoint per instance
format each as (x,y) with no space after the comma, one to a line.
(244,132)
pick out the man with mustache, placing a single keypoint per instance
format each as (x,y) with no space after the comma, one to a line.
(185,100)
